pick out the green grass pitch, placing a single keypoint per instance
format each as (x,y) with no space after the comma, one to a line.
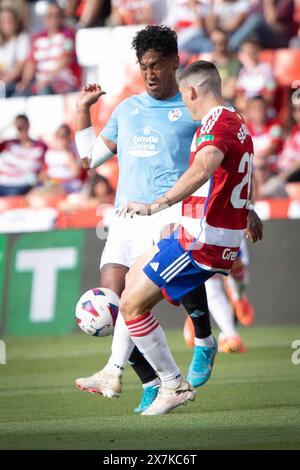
(251,402)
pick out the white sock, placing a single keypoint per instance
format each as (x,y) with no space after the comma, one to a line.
(220,307)
(121,348)
(150,339)
(206,342)
(152,383)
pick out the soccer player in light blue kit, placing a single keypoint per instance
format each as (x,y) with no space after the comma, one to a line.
(152,144)
(151,133)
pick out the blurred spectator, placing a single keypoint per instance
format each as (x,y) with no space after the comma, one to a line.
(290,155)
(272,20)
(227,65)
(289,159)
(125,12)
(295,41)
(231,16)
(267,140)
(288,163)
(275,23)
(255,77)
(62,171)
(100,190)
(52,65)
(21,160)
(187,17)
(87,13)
(20,6)
(96,191)
(14,48)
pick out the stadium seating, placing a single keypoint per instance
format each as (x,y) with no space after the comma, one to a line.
(285,63)
(286,66)
(39,200)
(293,190)
(12,202)
(78,218)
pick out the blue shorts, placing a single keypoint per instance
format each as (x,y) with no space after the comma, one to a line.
(173,270)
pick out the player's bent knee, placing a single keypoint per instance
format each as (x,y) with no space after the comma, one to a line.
(130,279)
(128,307)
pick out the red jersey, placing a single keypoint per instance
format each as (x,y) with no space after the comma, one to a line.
(215,216)
(20,165)
(47,53)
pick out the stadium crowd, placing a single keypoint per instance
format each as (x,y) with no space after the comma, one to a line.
(38,57)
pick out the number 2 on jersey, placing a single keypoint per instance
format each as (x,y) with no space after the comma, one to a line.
(236,200)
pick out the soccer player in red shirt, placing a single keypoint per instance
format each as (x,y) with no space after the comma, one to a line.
(215,191)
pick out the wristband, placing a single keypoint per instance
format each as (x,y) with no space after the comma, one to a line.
(85,140)
(92,147)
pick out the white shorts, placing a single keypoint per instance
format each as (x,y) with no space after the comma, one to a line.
(128,238)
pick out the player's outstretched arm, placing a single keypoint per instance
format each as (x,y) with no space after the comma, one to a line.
(92,151)
(203,167)
(205,164)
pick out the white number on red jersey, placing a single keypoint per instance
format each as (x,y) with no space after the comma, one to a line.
(236,200)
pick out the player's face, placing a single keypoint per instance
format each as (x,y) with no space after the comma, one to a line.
(158,73)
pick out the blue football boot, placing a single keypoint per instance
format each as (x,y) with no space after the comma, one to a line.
(202,363)
(148,397)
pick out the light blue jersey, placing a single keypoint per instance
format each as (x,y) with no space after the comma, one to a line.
(153,140)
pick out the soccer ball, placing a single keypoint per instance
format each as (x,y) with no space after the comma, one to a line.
(96,311)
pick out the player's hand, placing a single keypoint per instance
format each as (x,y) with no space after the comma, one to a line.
(89,95)
(137,208)
(254,230)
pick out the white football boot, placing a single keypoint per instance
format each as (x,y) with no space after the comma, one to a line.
(169,398)
(108,385)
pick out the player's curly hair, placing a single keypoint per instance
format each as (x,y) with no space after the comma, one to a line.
(161,38)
